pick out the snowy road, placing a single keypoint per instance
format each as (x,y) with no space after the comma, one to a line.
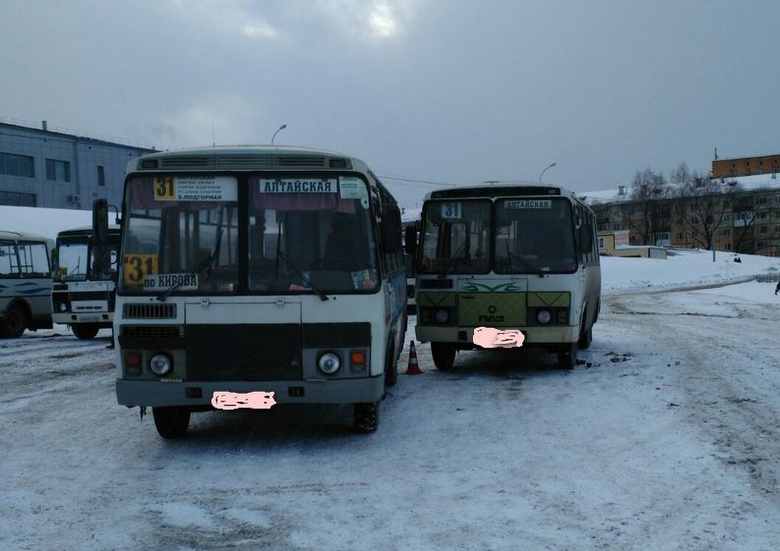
(665,437)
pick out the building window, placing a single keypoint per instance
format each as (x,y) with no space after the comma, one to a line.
(17,165)
(58,171)
(17,199)
(101,174)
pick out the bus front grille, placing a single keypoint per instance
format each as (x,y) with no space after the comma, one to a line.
(162,310)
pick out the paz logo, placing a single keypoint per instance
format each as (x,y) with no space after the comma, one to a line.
(473,287)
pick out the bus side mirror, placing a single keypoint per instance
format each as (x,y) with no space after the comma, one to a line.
(100,221)
(586,238)
(410,239)
(391,229)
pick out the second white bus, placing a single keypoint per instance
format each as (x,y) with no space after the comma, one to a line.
(519,256)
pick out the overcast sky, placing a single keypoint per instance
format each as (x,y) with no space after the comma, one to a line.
(442,91)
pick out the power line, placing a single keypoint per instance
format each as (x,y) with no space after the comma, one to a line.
(414,180)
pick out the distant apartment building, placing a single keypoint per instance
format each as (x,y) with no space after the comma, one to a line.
(739,214)
(42,168)
(746,166)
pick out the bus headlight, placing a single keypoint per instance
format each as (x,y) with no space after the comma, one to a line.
(543,317)
(160,364)
(442,316)
(329,363)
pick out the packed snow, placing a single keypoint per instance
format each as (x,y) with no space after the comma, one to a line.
(665,436)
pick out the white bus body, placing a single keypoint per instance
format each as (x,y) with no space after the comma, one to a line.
(253,270)
(83,294)
(25,282)
(507,256)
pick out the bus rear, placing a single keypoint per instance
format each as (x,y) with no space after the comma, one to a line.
(258,276)
(507,257)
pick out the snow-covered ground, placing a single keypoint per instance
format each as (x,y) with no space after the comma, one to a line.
(664,437)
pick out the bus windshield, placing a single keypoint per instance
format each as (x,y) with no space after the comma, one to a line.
(300,235)
(72,259)
(517,235)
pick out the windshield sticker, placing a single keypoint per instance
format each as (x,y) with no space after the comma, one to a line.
(528,204)
(195,188)
(163,282)
(451,211)
(364,279)
(138,266)
(351,187)
(290,185)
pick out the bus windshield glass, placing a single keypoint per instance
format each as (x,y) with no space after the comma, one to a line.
(517,236)
(72,259)
(456,237)
(534,235)
(283,236)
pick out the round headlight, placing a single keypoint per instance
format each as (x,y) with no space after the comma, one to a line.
(442,316)
(63,307)
(160,364)
(329,363)
(543,317)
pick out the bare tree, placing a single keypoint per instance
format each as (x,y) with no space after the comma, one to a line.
(648,190)
(702,204)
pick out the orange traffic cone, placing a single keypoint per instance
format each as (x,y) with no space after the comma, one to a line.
(412,368)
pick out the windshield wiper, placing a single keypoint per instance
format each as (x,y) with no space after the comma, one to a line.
(522,261)
(304,278)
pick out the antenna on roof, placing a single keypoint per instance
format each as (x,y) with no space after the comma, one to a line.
(213,136)
(716,153)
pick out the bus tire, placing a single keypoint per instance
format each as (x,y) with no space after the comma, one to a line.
(85,330)
(171,422)
(366,417)
(586,337)
(15,322)
(391,366)
(443,355)
(567,356)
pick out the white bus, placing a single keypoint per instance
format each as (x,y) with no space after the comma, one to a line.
(518,256)
(246,271)
(25,283)
(84,286)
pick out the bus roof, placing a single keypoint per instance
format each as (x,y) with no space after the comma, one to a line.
(500,189)
(10,235)
(246,157)
(86,231)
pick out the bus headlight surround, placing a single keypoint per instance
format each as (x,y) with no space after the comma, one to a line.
(160,364)
(442,316)
(329,363)
(543,317)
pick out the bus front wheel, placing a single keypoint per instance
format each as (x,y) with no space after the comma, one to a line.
(171,422)
(366,417)
(443,355)
(85,330)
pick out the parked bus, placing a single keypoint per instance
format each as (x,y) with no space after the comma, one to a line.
(25,283)
(84,287)
(517,256)
(252,271)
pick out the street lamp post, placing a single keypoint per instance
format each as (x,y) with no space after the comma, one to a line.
(275,133)
(545,170)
